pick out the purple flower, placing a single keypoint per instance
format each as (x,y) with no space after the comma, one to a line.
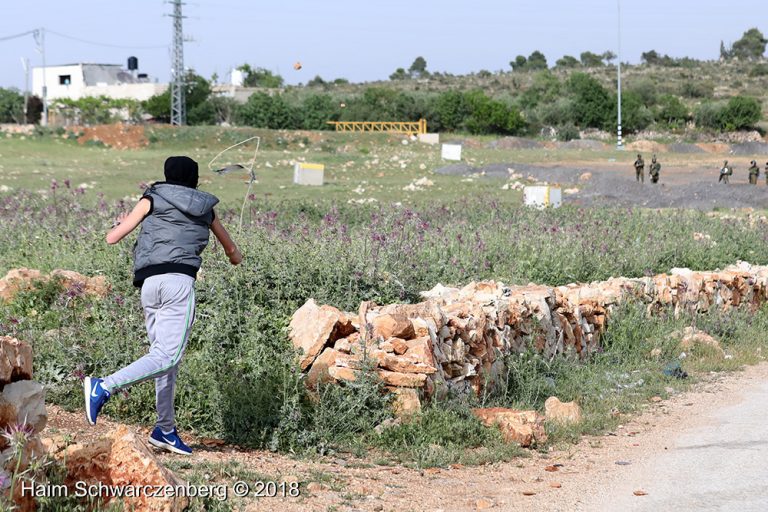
(18,435)
(67,183)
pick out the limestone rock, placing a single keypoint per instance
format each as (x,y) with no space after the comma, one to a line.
(392,326)
(523,427)
(313,327)
(403,380)
(24,279)
(96,286)
(399,345)
(562,412)
(406,403)
(692,337)
(404,365)
(18,280)
(342,373)
(15,360)
(318,372)
(121,459)
(28,398)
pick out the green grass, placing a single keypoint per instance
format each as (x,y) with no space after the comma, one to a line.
(358,166)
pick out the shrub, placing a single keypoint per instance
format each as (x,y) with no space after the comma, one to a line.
(645,89)
(491,116)
(265,111)
(671,111)
(568,132)
(317,110)
(635,116)
(741,112)
(758,70)
(697,89)
(450,111)
(545,88)
(709,115)
(11,106)
(592,105)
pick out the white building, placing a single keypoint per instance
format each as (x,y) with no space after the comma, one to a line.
(75,81)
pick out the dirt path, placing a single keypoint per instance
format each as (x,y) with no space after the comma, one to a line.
(696,450)
(716,461)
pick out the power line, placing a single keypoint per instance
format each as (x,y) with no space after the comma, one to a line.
(96,43)
(86,41)
(6,38)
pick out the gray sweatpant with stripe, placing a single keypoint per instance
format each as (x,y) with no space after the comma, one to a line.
(169,310)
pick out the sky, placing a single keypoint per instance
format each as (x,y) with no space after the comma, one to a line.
(364,40)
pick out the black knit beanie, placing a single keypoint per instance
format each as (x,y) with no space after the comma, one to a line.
(181,170)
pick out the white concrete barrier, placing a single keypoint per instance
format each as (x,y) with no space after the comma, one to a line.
(308,174)
(542,196)
(451,152)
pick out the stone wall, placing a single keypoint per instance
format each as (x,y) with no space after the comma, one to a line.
(457,338)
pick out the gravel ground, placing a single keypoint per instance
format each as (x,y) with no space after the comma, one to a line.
(679,187)
(685,148)
(750,149)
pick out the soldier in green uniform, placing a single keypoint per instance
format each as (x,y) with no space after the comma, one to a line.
(754,172)
(639,168)
(654,170)
(725,172)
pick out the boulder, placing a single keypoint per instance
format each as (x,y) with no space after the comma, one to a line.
(28,399)
(561,412)
(692,337)
(120,459)
(313,327)
(96,286)
(406,403)
(15,360)
(318,372)
(18,280)
(523,427)
(24,279)
(392,326)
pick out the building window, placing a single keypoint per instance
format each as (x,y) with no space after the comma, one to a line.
(65,79)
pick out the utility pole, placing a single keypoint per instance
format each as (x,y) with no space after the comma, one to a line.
(178,101)
(25,65)
(39,35)
(618,142)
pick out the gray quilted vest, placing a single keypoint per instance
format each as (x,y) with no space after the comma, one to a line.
(174,233)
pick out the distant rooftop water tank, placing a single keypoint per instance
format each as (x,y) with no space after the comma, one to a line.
(133,63)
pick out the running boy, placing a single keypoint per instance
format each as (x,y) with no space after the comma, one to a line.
(175,221)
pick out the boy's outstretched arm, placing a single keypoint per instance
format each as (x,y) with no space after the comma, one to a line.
(127,223)
(230,249)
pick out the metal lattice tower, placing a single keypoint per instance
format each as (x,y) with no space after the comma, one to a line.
(178,101)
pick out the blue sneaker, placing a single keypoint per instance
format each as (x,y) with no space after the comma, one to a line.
(171,442)
(95,398)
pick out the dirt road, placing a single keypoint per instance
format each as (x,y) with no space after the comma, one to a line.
(717,462)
